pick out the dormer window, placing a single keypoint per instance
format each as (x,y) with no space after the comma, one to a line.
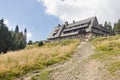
(54,34)
(56,31)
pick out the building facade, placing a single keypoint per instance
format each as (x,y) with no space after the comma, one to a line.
(84,29)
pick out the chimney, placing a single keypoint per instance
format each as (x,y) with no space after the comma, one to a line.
(58,25)
(73,21)
(66,23)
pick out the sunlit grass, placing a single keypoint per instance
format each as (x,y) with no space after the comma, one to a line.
(114,66)
(18,63)
(108,51)
(42,76)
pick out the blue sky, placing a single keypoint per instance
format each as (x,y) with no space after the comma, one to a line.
(40,16)
(28,14)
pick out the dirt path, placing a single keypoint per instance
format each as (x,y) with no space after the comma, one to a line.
(79,67)
(74,69)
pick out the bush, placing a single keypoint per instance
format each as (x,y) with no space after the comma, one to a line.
(40,43)
(30,42)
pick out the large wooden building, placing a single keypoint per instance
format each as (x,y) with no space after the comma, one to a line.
(84,29)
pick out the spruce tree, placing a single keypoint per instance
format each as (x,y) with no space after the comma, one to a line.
(5,37)
(109,27)
(17,29)
(11,40)
(106,25)
(25,35)
(116,28)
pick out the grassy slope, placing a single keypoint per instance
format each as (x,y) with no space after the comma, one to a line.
(15,64)
(108,51)
(42,76)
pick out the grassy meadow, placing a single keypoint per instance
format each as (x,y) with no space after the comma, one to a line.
(108,51)
(18,63)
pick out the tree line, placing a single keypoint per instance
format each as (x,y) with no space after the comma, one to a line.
(116,27)
(11,40)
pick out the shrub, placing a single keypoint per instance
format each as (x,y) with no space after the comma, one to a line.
(40,43)
(30,42)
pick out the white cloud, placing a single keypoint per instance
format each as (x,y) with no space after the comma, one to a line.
(6,22)
(67,10)
(29,35)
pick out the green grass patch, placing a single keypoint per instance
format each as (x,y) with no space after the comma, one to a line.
(105,55)
(114,66)
(107,51)
(42,76)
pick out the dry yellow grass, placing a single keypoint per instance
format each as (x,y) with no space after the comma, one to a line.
(108,52)
(18,63)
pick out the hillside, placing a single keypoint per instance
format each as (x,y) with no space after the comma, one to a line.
(108,53)
(98,59)
(18,63)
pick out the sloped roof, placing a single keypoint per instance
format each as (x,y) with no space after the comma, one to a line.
(58,31)
(91,19)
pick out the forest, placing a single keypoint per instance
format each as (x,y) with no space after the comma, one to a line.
(11,40)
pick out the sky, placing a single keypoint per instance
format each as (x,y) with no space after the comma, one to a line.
(40,16)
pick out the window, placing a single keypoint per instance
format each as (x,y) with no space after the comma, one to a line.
(54,34)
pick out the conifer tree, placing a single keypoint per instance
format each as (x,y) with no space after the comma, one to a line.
(5,37)
(106,25)
(11,40)
(116,28)
(109,27)
(25,35)
(17,29)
